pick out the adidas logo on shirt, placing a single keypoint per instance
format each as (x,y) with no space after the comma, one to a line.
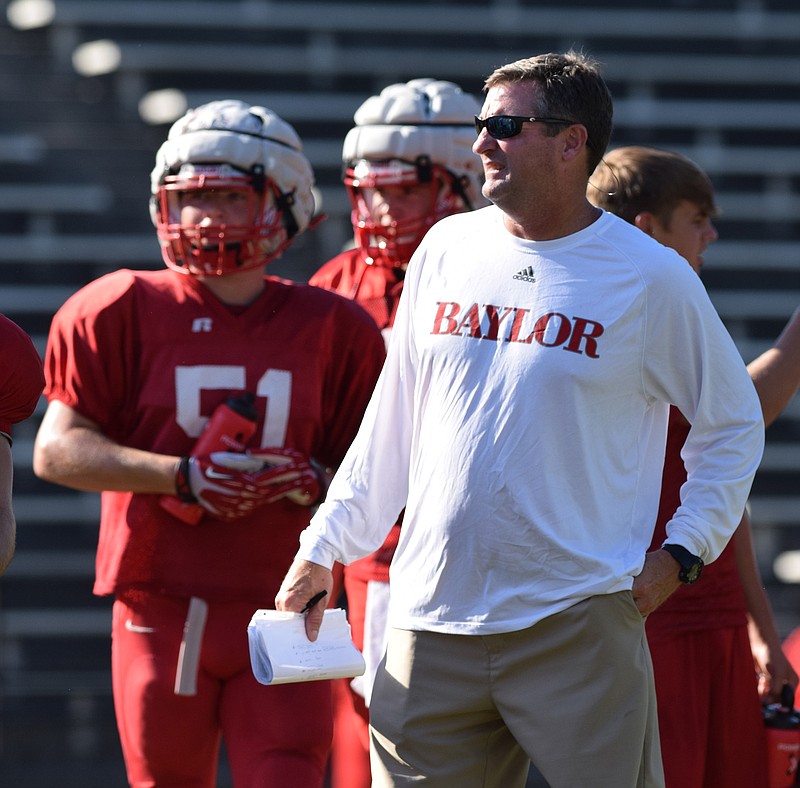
(526,275)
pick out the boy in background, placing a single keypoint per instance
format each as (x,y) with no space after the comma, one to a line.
(709,710)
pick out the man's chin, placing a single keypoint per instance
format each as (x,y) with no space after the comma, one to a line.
(493,182)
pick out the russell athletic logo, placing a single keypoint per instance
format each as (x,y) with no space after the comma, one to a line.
(526,275)
(517,324)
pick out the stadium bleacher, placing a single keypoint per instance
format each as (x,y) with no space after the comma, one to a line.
(718,80)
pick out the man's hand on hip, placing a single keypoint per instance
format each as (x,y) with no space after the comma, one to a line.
(657,581)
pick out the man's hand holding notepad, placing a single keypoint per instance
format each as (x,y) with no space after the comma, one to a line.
(280,651)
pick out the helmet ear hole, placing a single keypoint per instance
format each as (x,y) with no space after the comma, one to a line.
(285,203)
(424,169)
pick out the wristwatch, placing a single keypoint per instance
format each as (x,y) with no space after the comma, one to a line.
(691,565)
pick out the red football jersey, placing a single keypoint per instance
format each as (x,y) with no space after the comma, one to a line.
(21,377)
(717,600)
(149,355)
(376,288)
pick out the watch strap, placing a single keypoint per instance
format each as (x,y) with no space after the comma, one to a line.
(691,565)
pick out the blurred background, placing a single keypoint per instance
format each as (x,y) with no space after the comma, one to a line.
(88,89)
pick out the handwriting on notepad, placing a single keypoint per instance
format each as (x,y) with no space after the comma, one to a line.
(281,652)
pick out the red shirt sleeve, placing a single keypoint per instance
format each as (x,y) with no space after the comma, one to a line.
(90,351)
(21,376)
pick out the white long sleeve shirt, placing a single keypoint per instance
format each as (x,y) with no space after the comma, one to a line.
(521,420)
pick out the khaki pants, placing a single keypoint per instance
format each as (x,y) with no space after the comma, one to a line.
(574,693)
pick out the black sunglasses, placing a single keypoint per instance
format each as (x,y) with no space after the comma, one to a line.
(501,127)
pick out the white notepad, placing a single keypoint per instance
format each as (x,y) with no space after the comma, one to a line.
(280,651)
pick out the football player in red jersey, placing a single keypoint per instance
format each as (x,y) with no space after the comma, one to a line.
(708,672)
(408,162)
(136,364)
(21,383)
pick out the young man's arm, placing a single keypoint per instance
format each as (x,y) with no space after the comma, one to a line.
(776,373)
(773,667)
(71,450)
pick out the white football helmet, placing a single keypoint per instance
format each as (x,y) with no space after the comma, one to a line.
(231,145)
(417,132)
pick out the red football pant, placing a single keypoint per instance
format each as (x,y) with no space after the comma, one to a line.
(275,737)
(350,767)
(709,713)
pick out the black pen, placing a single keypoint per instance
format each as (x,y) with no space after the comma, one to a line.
(313,601)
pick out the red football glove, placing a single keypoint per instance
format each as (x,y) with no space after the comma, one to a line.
(230,485)
(295,475)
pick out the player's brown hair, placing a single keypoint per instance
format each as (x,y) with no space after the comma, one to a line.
(634,179)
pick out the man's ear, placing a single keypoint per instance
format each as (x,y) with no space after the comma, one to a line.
(575,138)
(644,221)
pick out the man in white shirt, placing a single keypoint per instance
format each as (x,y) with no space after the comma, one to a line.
(521,420)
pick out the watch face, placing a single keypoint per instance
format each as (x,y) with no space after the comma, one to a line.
(692,573)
